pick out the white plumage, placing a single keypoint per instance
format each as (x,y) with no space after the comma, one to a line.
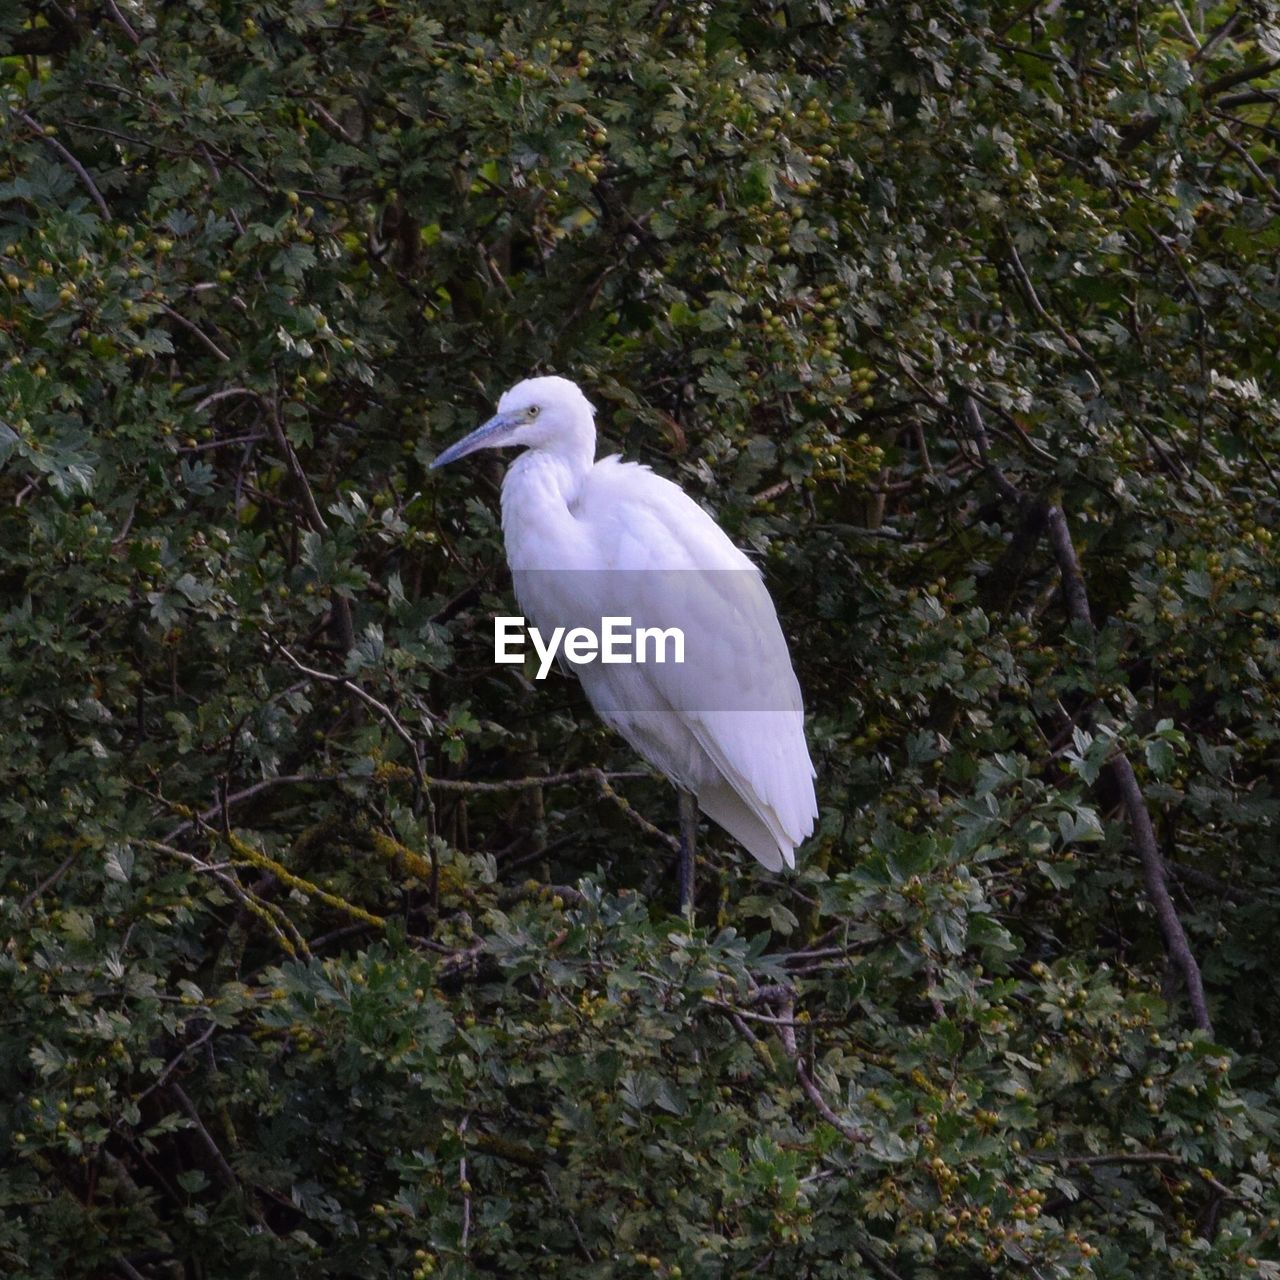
(587,540)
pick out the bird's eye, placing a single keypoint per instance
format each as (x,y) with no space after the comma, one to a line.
(533,411)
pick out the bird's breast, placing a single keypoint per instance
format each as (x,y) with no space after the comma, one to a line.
(539,526)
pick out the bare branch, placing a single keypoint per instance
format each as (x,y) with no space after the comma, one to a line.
(786,1033)
(332,124)
(176,1061)
(1242,75)
(274,917)
(381,708)
(225,394)
(1187,28)
(1068,565)
(341,606)
(1002,482)
(1249,98)
(195,329)
(1154,872)
(1032,298)
(238,797)
(1217,36)
(229,443)
(631,813)
(52,878)
(81,172)
(220,1161)
(1155,875)
(465,1184)
(602,780)
(1139,1157)
(123,23)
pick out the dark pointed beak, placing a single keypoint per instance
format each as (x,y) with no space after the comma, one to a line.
(492,435)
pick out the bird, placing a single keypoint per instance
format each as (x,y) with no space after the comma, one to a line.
(590,539)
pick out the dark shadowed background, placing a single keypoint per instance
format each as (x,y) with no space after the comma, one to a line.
(324,950)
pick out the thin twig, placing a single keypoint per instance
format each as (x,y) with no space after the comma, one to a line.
(573,1222)
(786,1033)
(238,797)
(1216,37)
(1230,892)
(1190,31)
(332,124)
(1248,161)
(122,22)
(172,1065)
(225,394)
(978,428)
(271,914)
(195,329)
(380,707)
(1033,301)
(866,1251)
(294,464)
(222,444)
(219,1160)
(341,606)
(1155,874)
(633,814)
(735,1012)
(51,879)
(1139,1157)
(814,1094)
(535,780)
(453,785)
(81,172)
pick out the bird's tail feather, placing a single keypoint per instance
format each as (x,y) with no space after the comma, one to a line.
(722,804)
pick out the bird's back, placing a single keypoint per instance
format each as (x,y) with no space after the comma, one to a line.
(728,722)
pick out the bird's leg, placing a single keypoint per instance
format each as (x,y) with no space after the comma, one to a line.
(688,848)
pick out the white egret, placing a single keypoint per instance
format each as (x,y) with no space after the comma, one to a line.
(590,540)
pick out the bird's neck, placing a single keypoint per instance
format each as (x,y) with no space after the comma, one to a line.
(539,496)
(555,473)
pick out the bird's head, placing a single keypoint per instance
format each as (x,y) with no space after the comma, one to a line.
(548,413)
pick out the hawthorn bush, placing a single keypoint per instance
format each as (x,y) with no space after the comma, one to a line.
(325,950)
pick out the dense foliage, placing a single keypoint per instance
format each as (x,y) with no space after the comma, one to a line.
(305,966)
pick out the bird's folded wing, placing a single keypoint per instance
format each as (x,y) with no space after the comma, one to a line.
(669,565)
